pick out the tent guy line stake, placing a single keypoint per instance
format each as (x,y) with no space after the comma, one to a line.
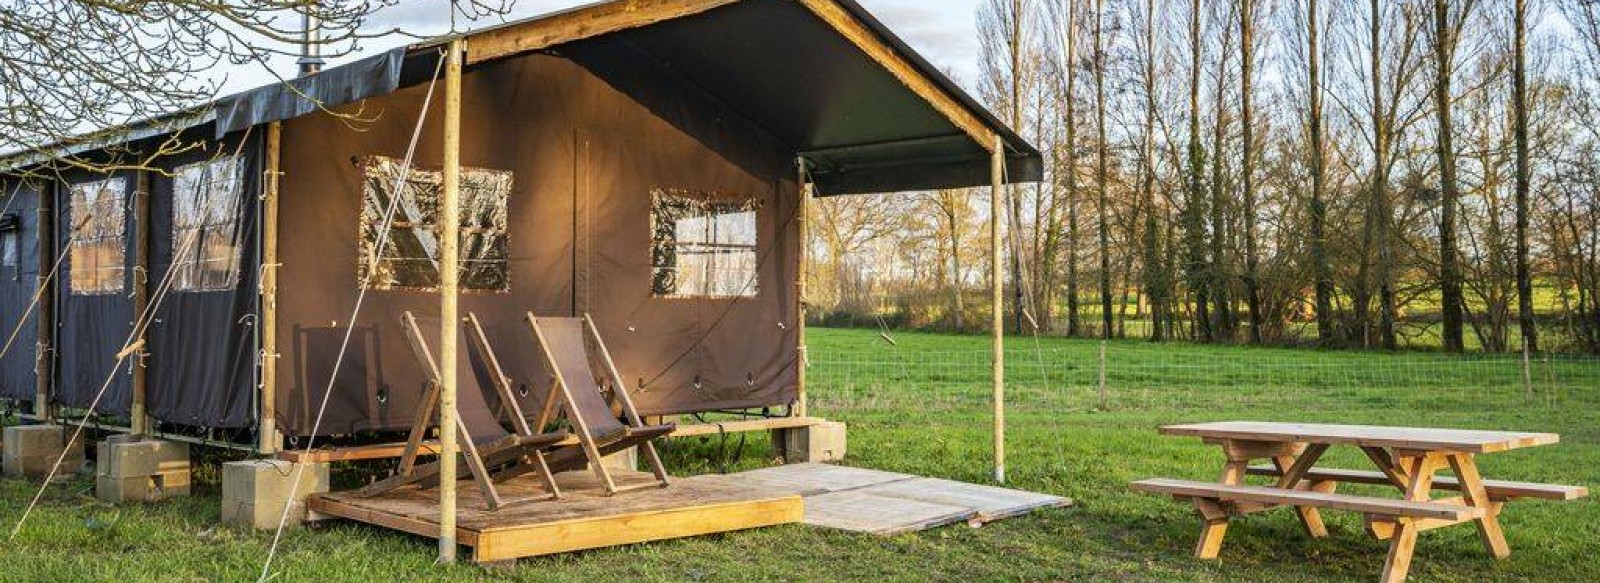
(140,325)
(355,313)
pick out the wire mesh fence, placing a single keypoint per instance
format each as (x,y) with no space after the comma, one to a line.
(1088,375)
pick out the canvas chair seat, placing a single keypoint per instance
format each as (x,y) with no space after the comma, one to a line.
(490,447)
(565,344)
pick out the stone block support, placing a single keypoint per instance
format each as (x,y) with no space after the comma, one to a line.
(254,491)
(31,450)
(822,442)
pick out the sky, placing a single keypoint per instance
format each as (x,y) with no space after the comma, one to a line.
(943,31)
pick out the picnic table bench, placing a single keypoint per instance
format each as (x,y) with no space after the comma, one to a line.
(1406,458)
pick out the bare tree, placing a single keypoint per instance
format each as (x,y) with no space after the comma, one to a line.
(1248,166)
(76,72)
(1322,271)
(1519,108)
(1102,174)
(1447,29)
(1067,169)
(1196,268)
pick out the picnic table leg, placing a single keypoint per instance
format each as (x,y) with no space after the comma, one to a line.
(1466,470)
(1292,470)
(1419,470)
(1214,515)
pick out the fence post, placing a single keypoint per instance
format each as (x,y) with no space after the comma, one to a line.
(1527,373)
(1102,383)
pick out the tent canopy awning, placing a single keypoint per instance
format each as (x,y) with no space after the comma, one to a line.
(822,77)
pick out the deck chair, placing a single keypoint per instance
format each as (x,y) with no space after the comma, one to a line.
(484,441)
(599,432)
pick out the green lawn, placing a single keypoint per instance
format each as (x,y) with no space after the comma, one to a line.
(921,405)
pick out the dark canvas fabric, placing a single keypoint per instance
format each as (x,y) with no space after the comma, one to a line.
(19,327)
(92,329)
(201,347)
(586,152)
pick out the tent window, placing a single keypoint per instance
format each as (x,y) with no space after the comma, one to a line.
(703,245)
(99,247)
(205,219)
(9,255)
(10,239)
(410,256)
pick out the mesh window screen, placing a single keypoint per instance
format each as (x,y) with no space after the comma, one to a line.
(410,257)
(703,245)
(205,219)
(99,248)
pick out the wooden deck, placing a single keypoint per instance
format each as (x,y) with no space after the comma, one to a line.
(583,519)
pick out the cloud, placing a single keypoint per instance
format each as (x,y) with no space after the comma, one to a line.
(943,31)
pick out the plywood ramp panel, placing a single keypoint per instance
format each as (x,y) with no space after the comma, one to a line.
(863,511)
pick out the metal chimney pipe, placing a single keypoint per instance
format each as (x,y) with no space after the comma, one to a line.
(311,41)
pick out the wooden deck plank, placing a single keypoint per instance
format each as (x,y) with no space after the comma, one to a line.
(745,425)
(584,518)
(511,542)
(810,479)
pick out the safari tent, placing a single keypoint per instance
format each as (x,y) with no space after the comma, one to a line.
(645,162)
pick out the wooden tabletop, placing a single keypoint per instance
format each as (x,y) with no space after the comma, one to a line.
(1417,438)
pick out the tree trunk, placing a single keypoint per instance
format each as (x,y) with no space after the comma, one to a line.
(1221,278)
(1196,268)
(1444,43)
(1380,212)
(1519,105)
(1321,268)
(1154,280)
(1071,122)
(1246,68)
(1102,171)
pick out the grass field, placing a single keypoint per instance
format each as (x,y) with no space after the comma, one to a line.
(920,404)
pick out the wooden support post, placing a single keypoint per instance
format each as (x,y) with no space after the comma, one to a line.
(802,214)
(449,318)
(997,178)
(269,441)
(44,367)
(138,421)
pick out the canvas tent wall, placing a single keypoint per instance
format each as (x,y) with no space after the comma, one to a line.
(586,163)
(607,122)
(19,280)
(116,236)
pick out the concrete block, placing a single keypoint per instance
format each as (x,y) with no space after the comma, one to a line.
(822,442)
(254,491)
(121,457)
(135,469)
(627,459)
(31,450)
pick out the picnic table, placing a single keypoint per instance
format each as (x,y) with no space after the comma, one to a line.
(1407,458)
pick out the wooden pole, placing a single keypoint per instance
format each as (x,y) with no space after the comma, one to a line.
(44,367)
(269,442)
(450,322)
(139,423)
(997,177)
(802,214)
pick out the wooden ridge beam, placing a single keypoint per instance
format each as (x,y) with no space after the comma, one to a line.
(581,24)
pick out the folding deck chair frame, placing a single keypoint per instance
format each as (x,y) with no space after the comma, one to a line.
(634,430)
(524,446)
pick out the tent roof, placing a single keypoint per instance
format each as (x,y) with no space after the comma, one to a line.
(820,76)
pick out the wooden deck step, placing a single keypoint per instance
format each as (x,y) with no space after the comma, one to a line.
(1499,490)
(1346,502)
